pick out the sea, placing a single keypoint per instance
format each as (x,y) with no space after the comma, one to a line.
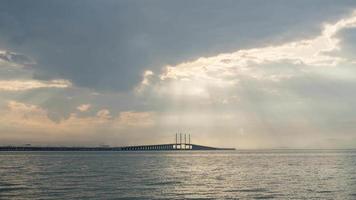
(240,174)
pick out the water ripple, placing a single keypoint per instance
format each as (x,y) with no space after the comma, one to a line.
(178,175)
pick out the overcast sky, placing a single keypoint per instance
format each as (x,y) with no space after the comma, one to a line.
(245,74)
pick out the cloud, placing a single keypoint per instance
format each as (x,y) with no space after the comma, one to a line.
(103,114)
(84,107)
(131,118)
(25,120)
(15,77)
(23,114)
(21,85)
(145,81)
(12,59)
(164,32)
(288,81)
(206,75)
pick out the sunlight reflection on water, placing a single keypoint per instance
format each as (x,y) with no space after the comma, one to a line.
(278,174)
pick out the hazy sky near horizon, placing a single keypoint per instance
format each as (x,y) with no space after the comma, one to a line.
(245,74)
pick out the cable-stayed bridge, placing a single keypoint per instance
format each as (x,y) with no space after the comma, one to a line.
(179,145)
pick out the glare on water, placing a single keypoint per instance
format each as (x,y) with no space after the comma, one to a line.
(277,174)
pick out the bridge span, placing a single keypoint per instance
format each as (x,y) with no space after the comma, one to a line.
(171,147)
(179,145)
(157,147)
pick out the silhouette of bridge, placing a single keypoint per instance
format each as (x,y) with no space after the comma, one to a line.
(179,145)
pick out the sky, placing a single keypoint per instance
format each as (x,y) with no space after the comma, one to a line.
(245,74)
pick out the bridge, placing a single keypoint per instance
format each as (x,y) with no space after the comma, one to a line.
(170,147)
(157,147)
(177,146)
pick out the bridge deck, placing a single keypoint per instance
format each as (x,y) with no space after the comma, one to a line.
(158,147)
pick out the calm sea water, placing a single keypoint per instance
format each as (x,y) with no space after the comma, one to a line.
(274,174)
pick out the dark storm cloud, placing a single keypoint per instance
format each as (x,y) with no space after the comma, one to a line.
(108,44)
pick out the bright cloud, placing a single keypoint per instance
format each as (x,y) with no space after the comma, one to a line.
(145,81)
(224,71)
(23,116)
(103,114)
(21,85)
(84,107)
